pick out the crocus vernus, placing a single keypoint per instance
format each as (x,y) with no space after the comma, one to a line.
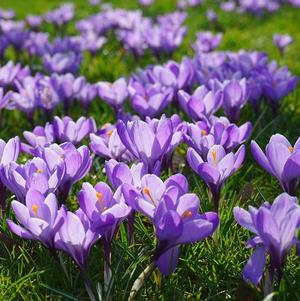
(216,167)
(34,174)
(105,211)
(202,104)
(106,143)
(113,93)
(207,41)
(282,41)
(39,218)
(174,213)
(67,130)
(76,237)
(234,98)
(76,163)
(9,152)
(274,227)
(39,137)
(147,143)
(282,160)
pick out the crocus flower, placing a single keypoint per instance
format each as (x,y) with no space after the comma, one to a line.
(146,2)
(11,72)
(76,237)
(76,162)
(282,41)
(4,98)
(39,137)
(202,135)
(202,104)
(174,213)
(216,167)
(67,87)
(113,93)
(66,130)
(274,227)
(234,98)
(277,83)
(149,100)
(9,152)
(39,218)
(106,143)
(86,95)
(34,21)
(211,15)
(147,143)
(35,174)
(62,62)
(207,41)
(282,160)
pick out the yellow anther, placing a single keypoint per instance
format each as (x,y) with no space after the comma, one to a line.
(214,157)
(109,133)
(99,199)
(203,133)
(39,171)
(35,209)
(291,149)
(187,214)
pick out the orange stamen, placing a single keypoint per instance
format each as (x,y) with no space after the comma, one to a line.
(291,149)
(39,171)
(99,199)
(214,157)
(35,209)
(148,193)
(187,214)
(203,133)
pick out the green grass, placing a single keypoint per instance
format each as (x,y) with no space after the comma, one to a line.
(207,270)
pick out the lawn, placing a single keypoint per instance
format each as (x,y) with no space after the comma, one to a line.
(208,270)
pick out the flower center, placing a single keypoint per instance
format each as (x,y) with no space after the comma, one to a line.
(39,170)
(203,133)
(100,201)
(187,214)
(35,209)
(291,149)
(109,133)
(148,193)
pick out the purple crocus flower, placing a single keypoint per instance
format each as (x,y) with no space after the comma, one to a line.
(4,98)
(39,218)
(282,160)
(114,93)
(10,72)
(35,174)
(211,15)
(9,152)
(62,62)
(149,100)
(277,83)
(105,211)
(147,143)
(234,98)
(76,162)
(174,213)
(34,21)
(206,41)
(67,87)
(86,95)
(76,237)
(216,167)
(274,227)
(146,2)
(202,135)
(106,143)
(282,41)
(202,104)
(39,137)
(66,130)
